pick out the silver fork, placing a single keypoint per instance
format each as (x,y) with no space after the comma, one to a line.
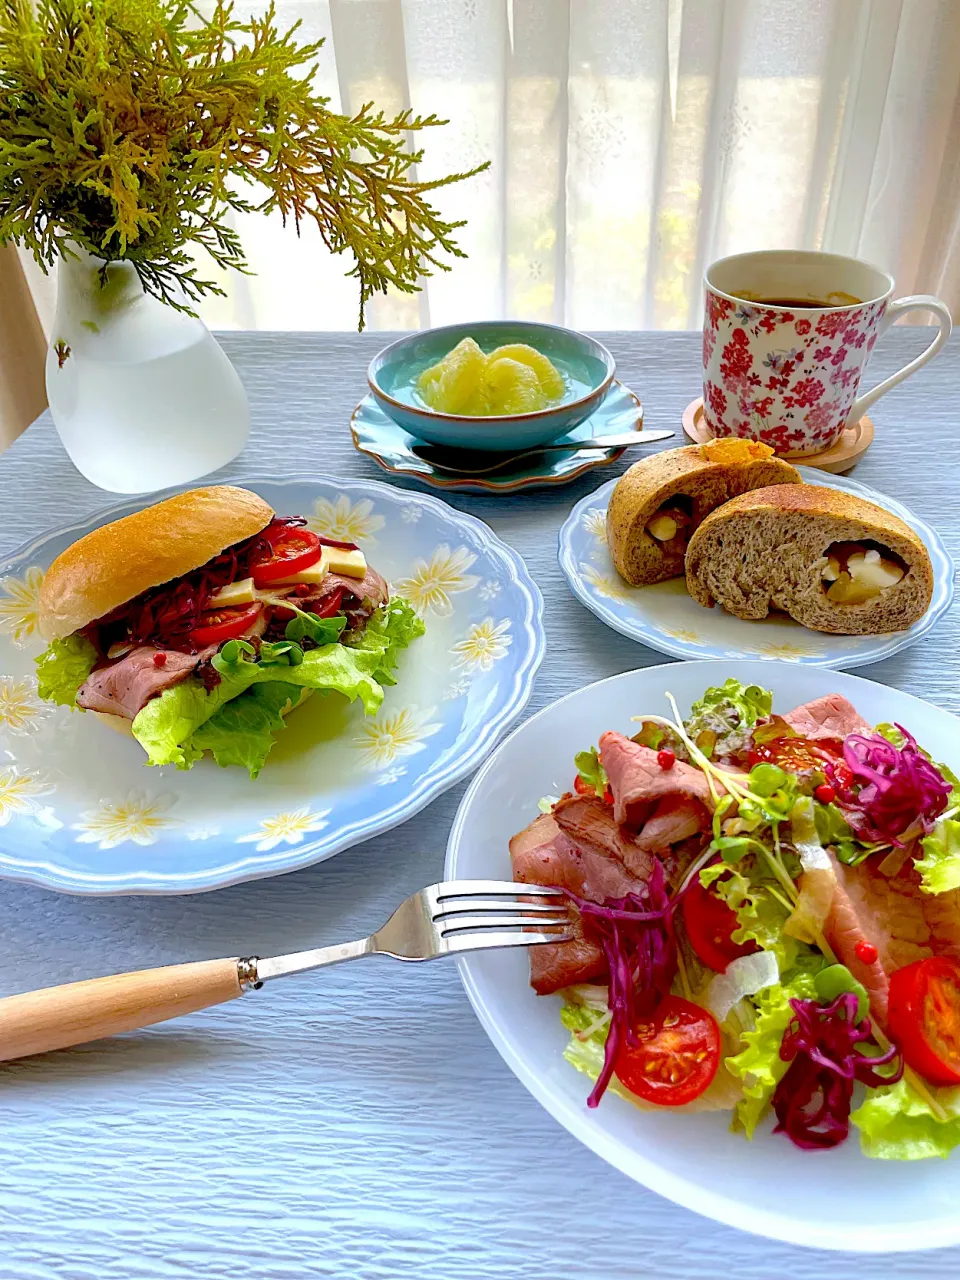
(443,919)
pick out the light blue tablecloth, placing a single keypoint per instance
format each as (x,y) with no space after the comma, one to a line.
(357,1123)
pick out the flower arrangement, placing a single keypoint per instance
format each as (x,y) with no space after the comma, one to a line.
(133,128)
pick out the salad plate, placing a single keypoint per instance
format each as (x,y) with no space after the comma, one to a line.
(836,1199)
(666,618)
(81,811)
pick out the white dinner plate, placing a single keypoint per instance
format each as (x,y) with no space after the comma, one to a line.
(836,1199)
(80,809)
(665,617)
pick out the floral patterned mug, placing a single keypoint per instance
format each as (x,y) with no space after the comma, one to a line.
(782,361)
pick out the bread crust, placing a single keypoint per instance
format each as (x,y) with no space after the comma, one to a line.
(119,561)
(652,482)
(778,548)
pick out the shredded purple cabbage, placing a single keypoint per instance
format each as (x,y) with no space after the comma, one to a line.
(636,934)
(893,788)
(812,1101)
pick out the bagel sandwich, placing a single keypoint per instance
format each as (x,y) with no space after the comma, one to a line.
(198,623)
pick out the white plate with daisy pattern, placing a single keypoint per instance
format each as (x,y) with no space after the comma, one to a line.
(666,618)
(81,811)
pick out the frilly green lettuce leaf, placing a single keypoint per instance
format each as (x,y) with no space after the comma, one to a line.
(759,1065)
(729,711)
(244,730)
(591,771)
(166,725)
(390,629)
(896,1123)
(63,667)
(940,865)
(760,916)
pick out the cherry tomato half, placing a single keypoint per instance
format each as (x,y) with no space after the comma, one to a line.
(677,1057)
(710,924)
(291,549)
(924,1017)
(796,755)
(223,624)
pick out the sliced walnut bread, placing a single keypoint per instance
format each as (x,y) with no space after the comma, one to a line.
(677,489)
(785,547)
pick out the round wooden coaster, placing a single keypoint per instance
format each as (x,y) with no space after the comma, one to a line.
(840,457)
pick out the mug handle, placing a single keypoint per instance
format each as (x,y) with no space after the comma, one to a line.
(916,302)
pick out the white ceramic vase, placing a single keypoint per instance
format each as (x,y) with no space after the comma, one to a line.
(141,394)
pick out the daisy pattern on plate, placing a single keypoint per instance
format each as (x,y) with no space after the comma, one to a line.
(202,833)
(394,734)
(605,584)
(20,604)
(139,818)
(411,513)
(684,633)
(786,650)
(595,523)
(390,776)
(18,792)
(432,582)
(455,690)
(287,828)
(484,644)
(344,520)
(490,590)
(20,707)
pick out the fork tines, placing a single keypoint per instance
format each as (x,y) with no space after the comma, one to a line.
(475,907)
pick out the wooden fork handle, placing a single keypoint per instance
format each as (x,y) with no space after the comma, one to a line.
(56,1017)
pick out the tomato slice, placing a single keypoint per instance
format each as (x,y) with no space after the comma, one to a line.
(924,1017)
(291,549)
(330,605)
(710,924)
(223,624)
(677,1057)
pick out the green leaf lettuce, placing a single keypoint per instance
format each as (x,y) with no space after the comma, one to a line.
(896,1123)
(759,1064)
(166,726)
(238,719)
(63,668)
(244,730)
(390,630)
(591,771)
(728,711)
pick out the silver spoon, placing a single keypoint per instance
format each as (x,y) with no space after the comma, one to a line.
(624,440)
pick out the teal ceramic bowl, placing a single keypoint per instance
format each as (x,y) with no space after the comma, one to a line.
(587,367)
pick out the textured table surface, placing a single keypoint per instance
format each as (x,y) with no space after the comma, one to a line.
(357,1123)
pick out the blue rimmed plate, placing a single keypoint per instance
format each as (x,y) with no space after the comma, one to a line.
(391,448)
(664,617)
(80,811)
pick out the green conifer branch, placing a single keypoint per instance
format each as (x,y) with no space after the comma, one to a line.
(135,128)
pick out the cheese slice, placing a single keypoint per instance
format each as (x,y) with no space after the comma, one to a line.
(241,592)
(352,564)
(312,576)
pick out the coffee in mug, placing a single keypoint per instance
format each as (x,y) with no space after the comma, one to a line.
(786,337)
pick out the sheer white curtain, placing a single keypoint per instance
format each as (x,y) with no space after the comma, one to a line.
(632,141)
